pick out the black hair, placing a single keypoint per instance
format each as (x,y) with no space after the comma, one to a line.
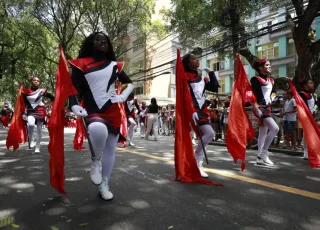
(289,92)
(87,47)
(185,62)
(154,102)
(259,63)
(304,82)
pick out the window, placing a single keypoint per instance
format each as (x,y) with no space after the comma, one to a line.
(291,49)
(138,44)
(217,65)
(268,51)
(291,68)
(138,90)
(173,92)
(275,71)
(222,85)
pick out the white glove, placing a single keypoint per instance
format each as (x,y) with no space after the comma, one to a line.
(79,111)
(142,114)
(259,112)
(195,118)
(123,96)
(117,99)
(24,117)
(207,69)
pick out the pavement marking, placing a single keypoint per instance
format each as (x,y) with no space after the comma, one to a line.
(283,188)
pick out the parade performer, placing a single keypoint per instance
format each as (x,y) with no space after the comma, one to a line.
(6,114)
(130,103)
(35,110)
(262,85)
(142,115)
(186,165)
(305,106)
(197,85)
(308,97)
(94,73)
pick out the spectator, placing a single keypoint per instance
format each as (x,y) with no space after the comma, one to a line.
(289,120)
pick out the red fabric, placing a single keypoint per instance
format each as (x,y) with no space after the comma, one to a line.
(64,89)
(185,162)
(80,133)
(5,119)
(17,132)
(310,128)
(124,122)
(240,130)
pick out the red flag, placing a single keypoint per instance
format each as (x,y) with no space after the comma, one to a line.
(17,132)
(185,162)
(240,130)
(64,89)
(310,128)
(80,135)
(124,120)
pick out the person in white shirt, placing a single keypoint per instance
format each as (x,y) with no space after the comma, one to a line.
(289,119)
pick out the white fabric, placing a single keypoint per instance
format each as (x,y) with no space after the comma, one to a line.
(152,123)
(98,82)
(265,138)
(35,99)
(288,107)
(104,144)
(207,136)
(198,89)
(266,91)
(311,103)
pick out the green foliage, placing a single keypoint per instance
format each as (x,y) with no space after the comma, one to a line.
(30,32)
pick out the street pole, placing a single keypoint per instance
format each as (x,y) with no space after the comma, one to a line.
(234,24)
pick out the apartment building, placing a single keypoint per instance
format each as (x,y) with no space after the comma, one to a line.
(277,46)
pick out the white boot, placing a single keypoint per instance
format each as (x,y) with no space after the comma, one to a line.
(32,144)
(37,150)
(202,172)
(96,176)
(104,189)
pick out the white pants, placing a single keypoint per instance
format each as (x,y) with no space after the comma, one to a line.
(265,138)
(31,122)
(104,144)
(152,123)
(142,129)
(131,128)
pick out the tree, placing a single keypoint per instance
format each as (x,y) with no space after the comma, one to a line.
(204,16)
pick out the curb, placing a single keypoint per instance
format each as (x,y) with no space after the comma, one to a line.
(287,152)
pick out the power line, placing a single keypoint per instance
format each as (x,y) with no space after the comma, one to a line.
(227,46)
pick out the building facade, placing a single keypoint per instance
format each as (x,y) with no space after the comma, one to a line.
(277,46)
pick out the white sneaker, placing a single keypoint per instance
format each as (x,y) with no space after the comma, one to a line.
(202,172)
(263,159)
(104,189)
(37,150)
(131,144)
(96,176)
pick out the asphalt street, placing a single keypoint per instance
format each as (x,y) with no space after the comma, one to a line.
(284,197)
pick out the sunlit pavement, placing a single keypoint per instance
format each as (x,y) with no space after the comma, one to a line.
(145,197)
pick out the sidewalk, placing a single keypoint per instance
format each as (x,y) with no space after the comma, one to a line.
(271,149)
